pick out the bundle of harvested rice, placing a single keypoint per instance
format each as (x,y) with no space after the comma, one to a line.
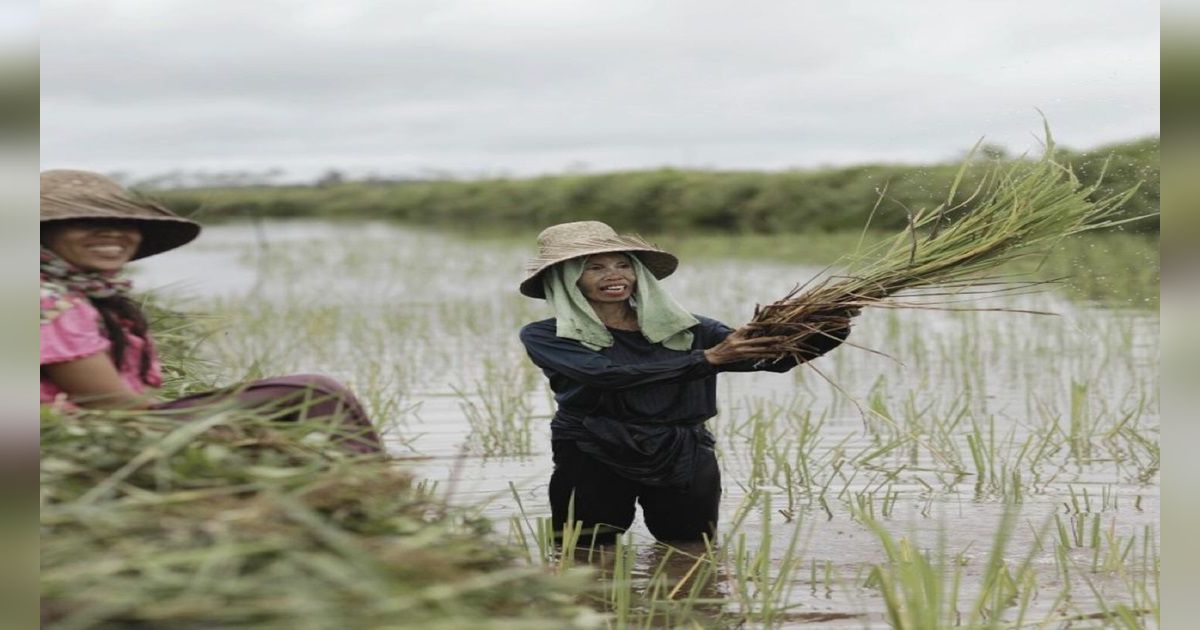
(233,520)
(1019,209)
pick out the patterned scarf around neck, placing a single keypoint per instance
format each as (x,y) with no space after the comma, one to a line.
(93,284)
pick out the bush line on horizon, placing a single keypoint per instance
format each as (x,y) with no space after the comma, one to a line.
(662,200)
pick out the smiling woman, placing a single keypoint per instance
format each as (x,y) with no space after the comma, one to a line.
(101,245)
(635,379)
(96,349)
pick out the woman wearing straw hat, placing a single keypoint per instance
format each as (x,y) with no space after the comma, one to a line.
(96,350)
(634,378)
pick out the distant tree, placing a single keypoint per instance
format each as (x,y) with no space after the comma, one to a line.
(331,177)
(993,151)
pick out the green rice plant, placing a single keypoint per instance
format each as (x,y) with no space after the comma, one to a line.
(623,592)
(1131,615)
(498,413)
(1081,427)
(912,591)
(381,389)
(761,580)
(1144,451)
(1116,552)
(1081,531)
(761,443)
(998,462)
(621,580)
(965,377)
(924,590)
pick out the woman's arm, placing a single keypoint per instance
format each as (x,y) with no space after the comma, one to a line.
(93,382)
(571,359)
(589,367)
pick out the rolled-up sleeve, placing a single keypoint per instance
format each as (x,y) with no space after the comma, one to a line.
(574,361)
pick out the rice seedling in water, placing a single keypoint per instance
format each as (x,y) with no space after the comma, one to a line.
(499,413)
(926,592)
(966,377)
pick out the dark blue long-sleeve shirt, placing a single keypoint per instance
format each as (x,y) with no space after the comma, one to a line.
(637,406)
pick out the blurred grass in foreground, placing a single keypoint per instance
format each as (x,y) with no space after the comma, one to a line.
(234,520)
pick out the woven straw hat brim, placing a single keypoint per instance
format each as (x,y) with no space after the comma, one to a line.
(161,229)
(658,262)
(158,235)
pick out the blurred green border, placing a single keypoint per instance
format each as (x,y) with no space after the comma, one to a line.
(19,116)
(1180,309)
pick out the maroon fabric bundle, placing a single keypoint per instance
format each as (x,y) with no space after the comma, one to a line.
(319,397)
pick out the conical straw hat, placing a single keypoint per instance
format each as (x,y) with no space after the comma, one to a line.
(584,238)
(81,195)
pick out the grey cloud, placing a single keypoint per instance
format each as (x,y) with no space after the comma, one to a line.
(529,87)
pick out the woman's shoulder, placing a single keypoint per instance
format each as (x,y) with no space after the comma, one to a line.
(57,300)
(708,323)
(539,329)
(70,327)
(709,331)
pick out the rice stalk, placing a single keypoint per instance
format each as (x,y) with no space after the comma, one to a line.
(1020,209)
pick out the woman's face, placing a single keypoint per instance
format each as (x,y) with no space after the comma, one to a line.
(607,278)
(94,245)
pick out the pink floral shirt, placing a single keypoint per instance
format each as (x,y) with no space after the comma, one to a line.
(72,329)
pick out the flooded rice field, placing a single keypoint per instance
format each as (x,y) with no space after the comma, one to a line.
(971,467)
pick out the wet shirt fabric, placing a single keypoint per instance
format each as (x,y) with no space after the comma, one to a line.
(71,329)
(637,406)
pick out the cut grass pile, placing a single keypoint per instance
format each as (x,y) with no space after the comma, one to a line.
(234,520)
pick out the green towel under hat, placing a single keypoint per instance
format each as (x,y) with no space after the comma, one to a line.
(660,317)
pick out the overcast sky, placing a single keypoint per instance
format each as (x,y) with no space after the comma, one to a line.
(534,86)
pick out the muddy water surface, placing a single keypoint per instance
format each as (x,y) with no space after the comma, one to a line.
(423,325)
